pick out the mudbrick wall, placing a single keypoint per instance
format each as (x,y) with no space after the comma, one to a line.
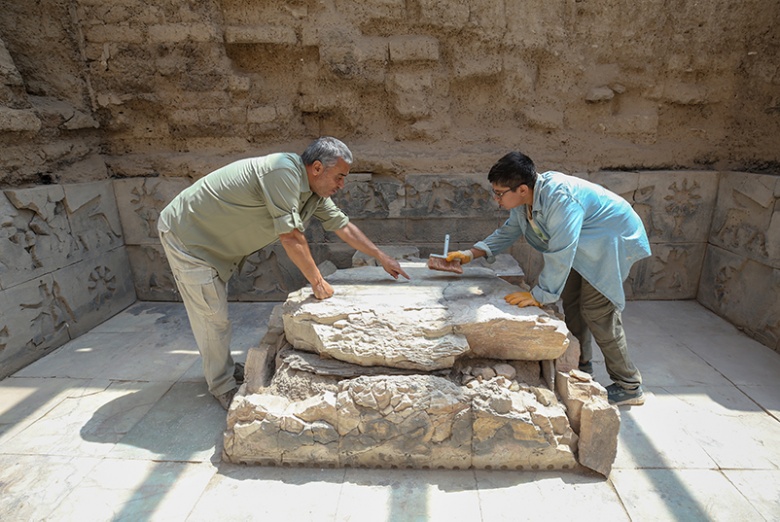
(108,109)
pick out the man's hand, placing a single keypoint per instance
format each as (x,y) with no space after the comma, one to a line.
(522,299)
(392,267)
(464,256)
(322,289)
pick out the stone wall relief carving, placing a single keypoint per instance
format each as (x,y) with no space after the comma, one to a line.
(98,234)
(102,285)
(671,273)
(741,228)
(148,203)
(683,203)
(53,312)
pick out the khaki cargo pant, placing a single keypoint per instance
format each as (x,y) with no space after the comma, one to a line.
(205,298)
(590,315)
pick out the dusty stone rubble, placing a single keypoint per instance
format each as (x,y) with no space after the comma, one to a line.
(436,372)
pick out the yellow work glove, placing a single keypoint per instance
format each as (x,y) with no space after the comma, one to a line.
(464,256)
(522,299)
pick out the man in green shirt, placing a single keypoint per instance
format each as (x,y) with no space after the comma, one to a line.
(212,226)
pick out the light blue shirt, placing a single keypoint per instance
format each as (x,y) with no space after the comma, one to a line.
(585,227)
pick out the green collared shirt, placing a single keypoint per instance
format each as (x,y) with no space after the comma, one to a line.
(242,207)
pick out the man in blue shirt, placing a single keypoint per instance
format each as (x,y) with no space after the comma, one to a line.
(589,238)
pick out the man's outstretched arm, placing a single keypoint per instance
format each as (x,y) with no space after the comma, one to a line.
(297,249)
(355,238)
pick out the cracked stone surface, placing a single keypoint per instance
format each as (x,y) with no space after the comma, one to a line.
(425,323)
(416,375)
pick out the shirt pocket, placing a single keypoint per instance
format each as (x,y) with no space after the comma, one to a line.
(200,286)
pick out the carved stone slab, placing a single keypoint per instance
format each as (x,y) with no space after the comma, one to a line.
(426,323)
(414,421)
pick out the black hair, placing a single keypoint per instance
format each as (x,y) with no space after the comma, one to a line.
(513,170)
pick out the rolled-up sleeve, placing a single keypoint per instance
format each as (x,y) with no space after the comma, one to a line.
(331,216)
(282,193)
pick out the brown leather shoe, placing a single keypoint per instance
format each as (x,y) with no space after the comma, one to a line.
(226,398)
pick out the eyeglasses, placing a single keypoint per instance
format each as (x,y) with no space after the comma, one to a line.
(498,195)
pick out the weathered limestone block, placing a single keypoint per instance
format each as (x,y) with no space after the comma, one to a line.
(513,430)
(577,388)
(140,201)
(418,421)
(303,408)
(406,421)
(35,237)
(599,427)
(425,323)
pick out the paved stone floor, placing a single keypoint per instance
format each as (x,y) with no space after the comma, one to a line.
(118,425)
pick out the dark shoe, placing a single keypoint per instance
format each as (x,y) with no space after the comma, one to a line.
(587,367)
(619,396)
(226,398)
(238,373)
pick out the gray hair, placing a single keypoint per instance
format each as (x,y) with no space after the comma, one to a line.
(327,150)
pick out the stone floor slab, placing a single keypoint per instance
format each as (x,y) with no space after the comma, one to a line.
(159,355)
(730,427)
(240,493)
(89,424)
(766,396)
(669,450)
(136,490)
(654,436)
(714,340)
(184,426)
(33,486)
(682,494)
(23,400)
(761,488)
(409,495)
(549,496)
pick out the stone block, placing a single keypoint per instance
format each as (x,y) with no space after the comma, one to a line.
(94,290)
(676,207)
(35,237)
(455,195)
(261,34)
(371,197)
(412,93)
(443,13)
(437,322)
(744,291)
(746,213)
(671,272)
(409,48)
(93,217)
(372,9)
(482,412)
(175,33)
(19,120)
(599,427)
(152,277)
(34,319)
(113,33)
(267,275)
(576,389)
(140,201)
(386,231)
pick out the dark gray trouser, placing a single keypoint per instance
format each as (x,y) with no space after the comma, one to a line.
(590,315)
(205,299)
